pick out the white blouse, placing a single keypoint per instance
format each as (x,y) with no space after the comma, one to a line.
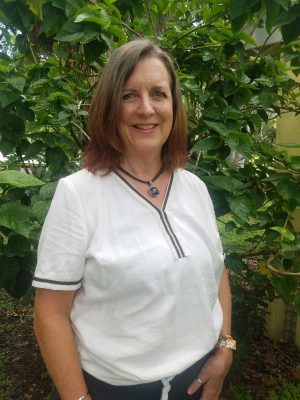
(147,279)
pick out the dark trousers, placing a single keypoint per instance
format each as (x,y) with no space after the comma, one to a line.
(100,390)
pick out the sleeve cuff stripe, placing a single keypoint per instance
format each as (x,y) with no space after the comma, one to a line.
(56,282)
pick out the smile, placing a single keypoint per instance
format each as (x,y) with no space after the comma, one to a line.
(143,126)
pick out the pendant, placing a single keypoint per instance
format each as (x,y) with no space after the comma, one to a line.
(153,191)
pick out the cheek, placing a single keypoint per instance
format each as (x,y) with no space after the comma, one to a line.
(125,114)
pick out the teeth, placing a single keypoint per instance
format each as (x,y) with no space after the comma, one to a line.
(145,126)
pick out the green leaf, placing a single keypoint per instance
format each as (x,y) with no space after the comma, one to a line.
(9,267)
(263,115)
(93,50)
(3,18)
(206,144)
(117,31)
(267,97)
(240,142)
(98,17)
(227,183)
(242,207)
(245,37)
(40,209)
(36,7)
(47,191)
(70,32)
(232,113)
(15,216)
(5,63)
(18,245)
(55,158)
(33,149)
(17,82)
(239,22)
(291,31)
(284,232)
(238,7)
(286,287)
(229,88)
(272,13)
(53,19)
(12,127)
(18,179)
(284,4)
(295,162)
(218,127)
(235,262)
(8,94)
(287,188)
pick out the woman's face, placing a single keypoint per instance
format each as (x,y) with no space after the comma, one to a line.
(146,112)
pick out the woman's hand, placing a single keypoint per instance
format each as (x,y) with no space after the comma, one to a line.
(212,375)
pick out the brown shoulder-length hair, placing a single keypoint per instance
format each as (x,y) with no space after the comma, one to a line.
(105,150)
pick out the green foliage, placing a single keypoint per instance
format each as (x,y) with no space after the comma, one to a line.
(51,53)
(239,393)
(282,391)
(285,391)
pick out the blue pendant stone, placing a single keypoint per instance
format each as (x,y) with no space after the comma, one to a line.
(153,191)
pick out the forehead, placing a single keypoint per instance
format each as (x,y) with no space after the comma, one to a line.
(149,71)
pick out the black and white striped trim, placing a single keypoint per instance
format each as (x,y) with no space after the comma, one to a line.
(162,213)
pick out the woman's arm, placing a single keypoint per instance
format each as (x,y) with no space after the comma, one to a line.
(214,371)
(55,337)
(225,302)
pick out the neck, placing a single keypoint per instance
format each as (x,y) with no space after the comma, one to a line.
(142,167)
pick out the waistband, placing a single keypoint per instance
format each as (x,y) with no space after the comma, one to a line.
(159,390)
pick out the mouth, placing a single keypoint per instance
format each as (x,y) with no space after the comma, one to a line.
(145,126)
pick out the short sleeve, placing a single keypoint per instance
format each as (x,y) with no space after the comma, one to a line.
(63,242)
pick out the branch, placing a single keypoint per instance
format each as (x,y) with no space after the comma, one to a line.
(131,30)
(263,45)
(81,130)
(150,18)
(278,271)
(24,166)
(76,139)
(198,27)
(31,50)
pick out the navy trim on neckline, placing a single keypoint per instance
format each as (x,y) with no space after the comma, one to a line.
(162,213)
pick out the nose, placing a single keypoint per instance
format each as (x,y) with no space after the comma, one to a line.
(146,106)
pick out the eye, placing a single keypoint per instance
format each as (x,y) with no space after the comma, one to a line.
(158,93)
(128,96)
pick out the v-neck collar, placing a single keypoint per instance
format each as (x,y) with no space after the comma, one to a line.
(166,196)
(162,214)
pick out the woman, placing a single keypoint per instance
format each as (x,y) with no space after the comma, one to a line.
(132,294)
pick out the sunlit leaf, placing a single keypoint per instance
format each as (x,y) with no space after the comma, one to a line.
(36,7)
(284,232)
(218,127)
(18,179)
(227,183)
(207,144)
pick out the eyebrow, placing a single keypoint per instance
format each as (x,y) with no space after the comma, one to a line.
(159,87)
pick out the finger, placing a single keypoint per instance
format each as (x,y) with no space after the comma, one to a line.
(194,386)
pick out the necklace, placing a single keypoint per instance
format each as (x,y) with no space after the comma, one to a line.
(153,190)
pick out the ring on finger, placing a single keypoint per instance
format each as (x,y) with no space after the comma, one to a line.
(198,379)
